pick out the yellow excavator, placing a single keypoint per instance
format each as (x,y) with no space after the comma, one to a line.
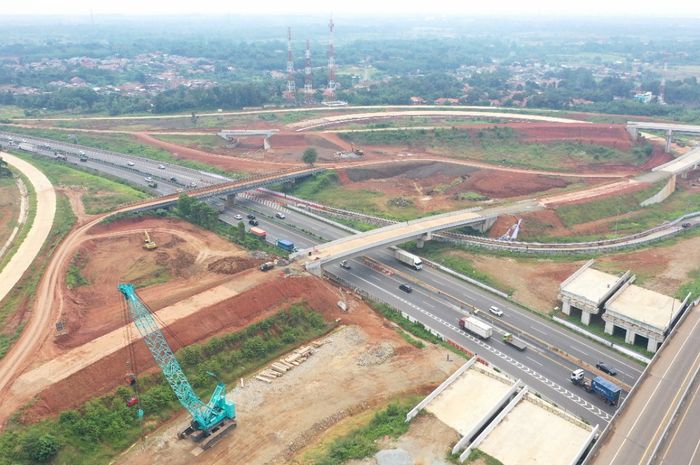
(148,244)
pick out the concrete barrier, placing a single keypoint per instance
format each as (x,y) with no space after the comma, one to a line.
(665,192)
(582,451)
(438,390)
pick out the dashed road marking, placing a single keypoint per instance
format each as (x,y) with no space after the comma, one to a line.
(534,374)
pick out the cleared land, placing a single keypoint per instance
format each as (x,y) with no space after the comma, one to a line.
(9,208)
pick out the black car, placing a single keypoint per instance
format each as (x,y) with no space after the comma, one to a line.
(267,266)
(606,369)
(406,288)
(250,216)
(253,222)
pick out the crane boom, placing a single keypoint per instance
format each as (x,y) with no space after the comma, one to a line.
(205,417)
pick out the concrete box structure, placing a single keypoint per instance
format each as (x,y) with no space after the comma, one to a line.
(641,312)
(588,290)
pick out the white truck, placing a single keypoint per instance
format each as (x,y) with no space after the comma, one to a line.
(408,259)
(476,326)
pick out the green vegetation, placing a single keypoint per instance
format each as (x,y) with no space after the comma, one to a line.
(103,195)
(325,188)
(23,293)
(122,143)
(22,234)
(575,214)
(209,142)
(443,254)
(477,454)
(309,156)
(73,277)
(415,328)
(100,429)
(200,213)
(361,443)
(4,169)
(501,145)
(692,287)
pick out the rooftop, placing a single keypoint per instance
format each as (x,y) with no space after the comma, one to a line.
(645,306)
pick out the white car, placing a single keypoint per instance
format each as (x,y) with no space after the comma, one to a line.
(148,179)
(238,216)
(496,311)
(280,215)
(130,163)
(161,167)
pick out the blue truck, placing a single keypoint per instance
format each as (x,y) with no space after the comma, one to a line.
(284,244)
(607,390)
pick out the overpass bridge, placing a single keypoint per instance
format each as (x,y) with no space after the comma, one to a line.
(233,135)
(227,190)
(633,127)
(421,229)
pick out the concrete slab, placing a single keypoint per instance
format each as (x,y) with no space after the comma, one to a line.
(464,403)
(645,306)
(533,435)
(592,285)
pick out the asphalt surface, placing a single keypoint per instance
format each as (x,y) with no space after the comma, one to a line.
(641,424)
(537,366)
(118,165)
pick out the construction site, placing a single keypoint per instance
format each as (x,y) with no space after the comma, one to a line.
(204,350)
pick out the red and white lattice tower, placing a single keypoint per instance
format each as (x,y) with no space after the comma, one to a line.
(290,93)
(329,94)
(308,78)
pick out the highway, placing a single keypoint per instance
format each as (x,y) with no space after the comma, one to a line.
(544,371)
(640,426)
(118,164)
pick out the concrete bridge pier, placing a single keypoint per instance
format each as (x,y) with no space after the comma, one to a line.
(266,143)
(420,242)
(669,139)
(633,132)
(485,225)
(230,200)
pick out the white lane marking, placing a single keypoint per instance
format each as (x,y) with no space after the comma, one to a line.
(534,361)
(551,384)
(538,330)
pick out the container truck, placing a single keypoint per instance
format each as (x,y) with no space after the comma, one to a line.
(408,259)
(509,339)
(607,390)
(475,326)
(284,244)
(258,232)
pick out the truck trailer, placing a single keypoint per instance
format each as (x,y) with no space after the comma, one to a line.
(285,244)
(511,340)
(476,326)
(408,259)
(258,232)
(607,390)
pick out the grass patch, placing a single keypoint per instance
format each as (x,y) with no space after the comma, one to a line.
(477,454)
(361,443)
(692,287)
(73,277)
(575,214)
(103,195)
(122,143)
(500,145)
(325,188)
(100,429)
(22,295)
(442,254)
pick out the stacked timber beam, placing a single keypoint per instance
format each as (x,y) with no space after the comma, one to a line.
(288,362)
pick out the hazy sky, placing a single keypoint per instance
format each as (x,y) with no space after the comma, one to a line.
(668,8)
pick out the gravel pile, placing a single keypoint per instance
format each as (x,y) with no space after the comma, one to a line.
(394,457)
(376,355)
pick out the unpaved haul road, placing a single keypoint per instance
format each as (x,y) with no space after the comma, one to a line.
(27,252)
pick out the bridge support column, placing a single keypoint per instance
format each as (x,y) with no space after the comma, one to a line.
(629,337)
(420,242)
(566,307)
(633,132)
(266,143)
(485,225)
(230,200)
(585,317)
(609,327)
(669,138)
